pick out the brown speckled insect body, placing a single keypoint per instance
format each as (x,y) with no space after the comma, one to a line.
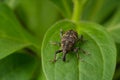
(68,41)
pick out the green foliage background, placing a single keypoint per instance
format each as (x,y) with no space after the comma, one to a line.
(23,24)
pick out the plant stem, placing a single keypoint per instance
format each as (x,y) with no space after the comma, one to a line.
(77,11)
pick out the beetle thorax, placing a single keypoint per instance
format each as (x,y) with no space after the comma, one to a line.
(68,40)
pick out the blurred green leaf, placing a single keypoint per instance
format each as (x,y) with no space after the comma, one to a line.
(114,20)
(117,74)
(78,9)
(8,46)
(36,15)
(65,6)
(11,3)
(12,36)
(117,71)
(115,32)
(42,77)
(99,44)
(99,10)
(17,66)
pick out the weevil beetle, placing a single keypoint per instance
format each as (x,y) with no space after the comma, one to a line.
(68,41)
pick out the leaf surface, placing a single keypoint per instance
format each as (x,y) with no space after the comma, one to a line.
(65,6)
(113,26)
(36,16)
(12,36)
(17,66)
(94,8)
(99,45)
(115,32)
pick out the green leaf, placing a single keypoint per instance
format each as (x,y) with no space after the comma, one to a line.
(94,8)
(42,77)
(115,32)
(11,3)
(117,74)
(93,67)
(33,14)
(78,9)
(118,53)
(117,71)
(113,26)
(8,46)
(65,6)
(17,66)
(115,19)
(12,36)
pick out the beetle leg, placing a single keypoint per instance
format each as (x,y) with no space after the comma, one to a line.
(81,39)
(76,51)
(55,43)
(84,52)
(61,33)
(56,54)
(64,57)
(78,56)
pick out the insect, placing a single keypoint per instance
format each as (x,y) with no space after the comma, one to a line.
(68,41)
